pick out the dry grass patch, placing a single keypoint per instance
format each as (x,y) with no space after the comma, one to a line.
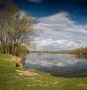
(26,73)
(15,59)
(82,85)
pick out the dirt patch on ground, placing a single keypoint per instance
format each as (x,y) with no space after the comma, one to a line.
(26,73)
(36,81)
(44,84)
(82,85)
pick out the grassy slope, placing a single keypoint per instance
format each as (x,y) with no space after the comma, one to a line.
(11,80)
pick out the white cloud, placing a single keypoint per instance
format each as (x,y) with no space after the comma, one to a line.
(55,19)
(60,42)
(59,32)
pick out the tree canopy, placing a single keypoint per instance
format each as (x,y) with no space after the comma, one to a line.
(15,29)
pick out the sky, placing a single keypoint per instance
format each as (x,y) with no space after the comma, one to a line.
(64,23)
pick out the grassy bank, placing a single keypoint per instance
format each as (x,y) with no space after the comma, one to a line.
(12,78)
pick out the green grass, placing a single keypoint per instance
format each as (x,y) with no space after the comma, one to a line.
(11,80)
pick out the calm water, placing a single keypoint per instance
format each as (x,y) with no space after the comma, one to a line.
(58,64)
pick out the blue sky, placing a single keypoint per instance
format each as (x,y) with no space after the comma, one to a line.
(64,22)
(42,8)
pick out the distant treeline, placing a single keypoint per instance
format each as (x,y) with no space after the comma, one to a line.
(74,51)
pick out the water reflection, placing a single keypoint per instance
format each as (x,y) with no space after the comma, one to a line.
(58,64)
(81,57)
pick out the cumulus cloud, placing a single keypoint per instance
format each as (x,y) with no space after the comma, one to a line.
(59,32)
(60,43)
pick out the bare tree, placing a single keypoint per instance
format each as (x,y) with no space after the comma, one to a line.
(15,32)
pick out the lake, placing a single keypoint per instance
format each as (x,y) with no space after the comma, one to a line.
(63,65)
